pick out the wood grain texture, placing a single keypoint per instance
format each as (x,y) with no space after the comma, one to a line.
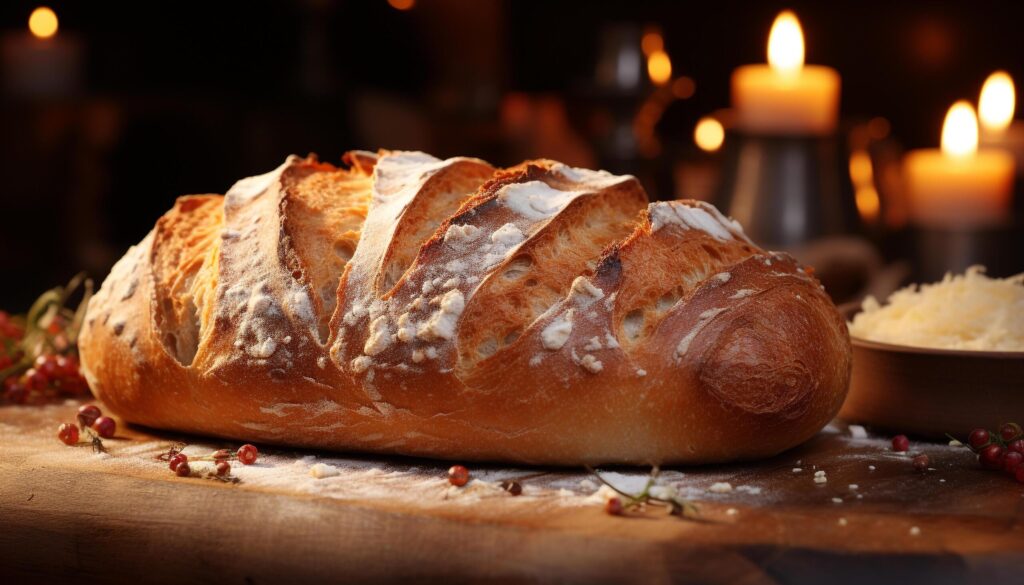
(77,520)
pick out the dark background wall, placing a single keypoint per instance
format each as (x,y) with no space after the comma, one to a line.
(186,97)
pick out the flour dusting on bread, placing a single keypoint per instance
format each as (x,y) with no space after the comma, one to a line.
(444,308)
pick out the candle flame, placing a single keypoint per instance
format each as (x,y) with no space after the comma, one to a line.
(998,100)
(42,23)
(659,67)
(868,203)
(709,134)
(786,44)
(960,130)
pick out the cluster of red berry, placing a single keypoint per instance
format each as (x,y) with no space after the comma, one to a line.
(38,351)
(92,422)
(179,462)
(1000,451)
(50,376)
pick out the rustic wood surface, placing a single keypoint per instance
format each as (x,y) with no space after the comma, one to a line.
(64,516)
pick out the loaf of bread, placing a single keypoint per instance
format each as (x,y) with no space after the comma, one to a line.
(404,304)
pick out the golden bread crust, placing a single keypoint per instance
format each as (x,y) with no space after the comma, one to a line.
(409,305)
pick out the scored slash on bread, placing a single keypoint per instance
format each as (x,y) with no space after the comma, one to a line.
(412,305)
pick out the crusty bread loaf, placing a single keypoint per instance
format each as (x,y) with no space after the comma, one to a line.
(409,305)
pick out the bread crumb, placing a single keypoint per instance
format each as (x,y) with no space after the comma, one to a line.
(441,324)
(841,522)
(322,470)
(593,344)
(871,467)
(721,487)
(797,469)
(380,336)
(858,432)
(591,364)
(641,373)
(460,236)
(732,511)
(557,332)
(361,364)
(915,531)
(837,500)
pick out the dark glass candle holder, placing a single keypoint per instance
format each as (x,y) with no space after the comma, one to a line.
(936,251)
(787,190)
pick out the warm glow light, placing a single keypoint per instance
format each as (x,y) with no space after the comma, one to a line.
(998,99)
(868,203)
(652,42)
(683,87)
(402,4)
(709,134)
(786,44)
(43,22)
(659,67)
(861,172)
(960,130)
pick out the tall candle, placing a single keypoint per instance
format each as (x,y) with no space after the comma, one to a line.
(786,96)
(38,61)
(959,186)
(995,112)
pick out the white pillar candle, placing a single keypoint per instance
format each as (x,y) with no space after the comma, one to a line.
(785,96)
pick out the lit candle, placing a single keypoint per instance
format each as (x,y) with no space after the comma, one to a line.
(39,62)
(959,185)
(995,112)
(785,96)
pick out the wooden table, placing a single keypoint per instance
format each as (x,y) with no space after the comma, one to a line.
(67,514)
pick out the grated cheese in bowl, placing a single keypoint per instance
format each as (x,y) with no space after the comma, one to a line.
(967,312)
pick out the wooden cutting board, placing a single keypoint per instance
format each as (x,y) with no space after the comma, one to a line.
(68,514)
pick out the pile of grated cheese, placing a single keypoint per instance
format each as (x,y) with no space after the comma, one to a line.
(969,311)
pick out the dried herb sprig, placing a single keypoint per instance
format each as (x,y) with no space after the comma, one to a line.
(670,498)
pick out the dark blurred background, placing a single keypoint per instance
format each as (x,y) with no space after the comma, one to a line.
(145,101)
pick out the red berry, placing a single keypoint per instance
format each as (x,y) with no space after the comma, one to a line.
(177,460)
(613,506)
(900,443)
(223,468)
(105,427)
(16,393)
(33,379)
(183,470)
(921,462)
(1009,432)
(1017,446)
(47,365)
(978,439)
(458,475)
(991,457)
(87,414)
(1011,460)
(221,454)
(247,454)
(67,433)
